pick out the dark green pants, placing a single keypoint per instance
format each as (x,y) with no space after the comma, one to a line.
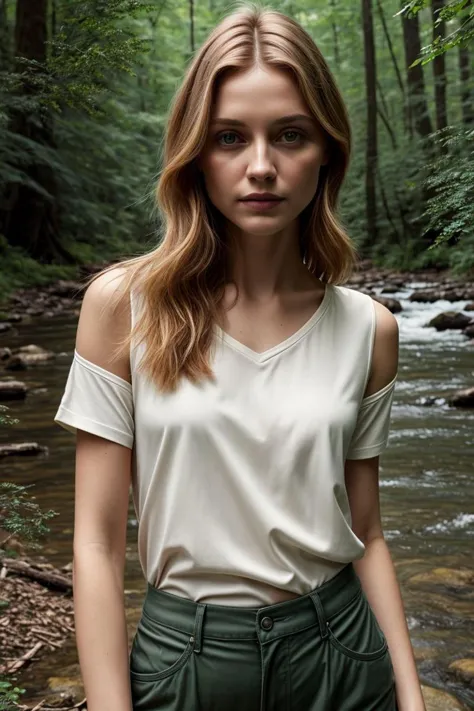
(320,652)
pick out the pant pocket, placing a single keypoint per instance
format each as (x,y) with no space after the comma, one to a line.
(355,632)
(158,651)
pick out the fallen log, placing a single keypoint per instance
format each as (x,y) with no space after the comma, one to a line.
(50,580)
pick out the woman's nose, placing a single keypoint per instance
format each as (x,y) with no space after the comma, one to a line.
(260,163)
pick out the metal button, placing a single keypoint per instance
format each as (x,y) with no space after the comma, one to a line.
(267,623)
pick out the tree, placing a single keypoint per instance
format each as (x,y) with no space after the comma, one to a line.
(439,65)
(371,145)
(29,215)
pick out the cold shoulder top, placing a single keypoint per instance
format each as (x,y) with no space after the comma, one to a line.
(238,484)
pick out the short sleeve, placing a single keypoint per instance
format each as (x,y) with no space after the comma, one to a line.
(370,436)
(98,402)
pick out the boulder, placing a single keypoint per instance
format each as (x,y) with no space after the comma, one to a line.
(31,348)
(390,289)
(463,669)
(469,307)
(25,449)
(5,326)
(69,289)
(392,305)
(469,330)
(451,578)
(12,390)
(437,700)
(462,398)
(22,361)
(450,320)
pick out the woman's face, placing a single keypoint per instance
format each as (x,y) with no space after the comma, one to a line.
(251,148)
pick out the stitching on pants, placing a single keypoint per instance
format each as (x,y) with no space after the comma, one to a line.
(289,705)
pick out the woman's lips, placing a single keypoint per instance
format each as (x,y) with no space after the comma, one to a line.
(262,204)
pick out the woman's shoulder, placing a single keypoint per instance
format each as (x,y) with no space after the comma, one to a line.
(353,303)
(105,321)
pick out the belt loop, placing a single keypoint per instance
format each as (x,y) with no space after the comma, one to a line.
(198,620)
(323,626)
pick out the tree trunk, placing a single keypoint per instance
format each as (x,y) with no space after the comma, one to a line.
(371,146)
(191,25)
(335,35)
(418,107)
(28,218)
(391,50)
(439,67)
(467,98)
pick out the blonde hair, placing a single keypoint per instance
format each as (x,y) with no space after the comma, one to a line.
(181,281)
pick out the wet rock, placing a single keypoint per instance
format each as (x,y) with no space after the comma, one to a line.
(437,700)
(469,331)
(356,279)
(69,685)
(69,289)
(31,348)
(424,296)
(5,326)
(11,318)
(25,449)
(390,289)
(429,296)
(463,398)
(463,670)
(5,354)
(450,320)
(455,579)
(12,390)
(22,361)
(469,307)
(392,305)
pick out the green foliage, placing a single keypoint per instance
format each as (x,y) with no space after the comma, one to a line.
(9,695)
(18,270)
(451,209)
(460,10)
(20,516)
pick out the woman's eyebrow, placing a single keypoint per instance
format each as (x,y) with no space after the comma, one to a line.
(283,119)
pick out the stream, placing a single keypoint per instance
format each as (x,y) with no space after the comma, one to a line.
(426,485)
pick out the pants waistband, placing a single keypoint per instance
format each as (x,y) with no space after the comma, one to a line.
(262,623)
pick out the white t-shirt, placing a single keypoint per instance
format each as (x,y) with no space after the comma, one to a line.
(238,485)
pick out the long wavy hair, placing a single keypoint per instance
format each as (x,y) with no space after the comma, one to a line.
(181,282)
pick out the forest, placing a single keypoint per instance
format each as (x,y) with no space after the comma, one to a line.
(85,89)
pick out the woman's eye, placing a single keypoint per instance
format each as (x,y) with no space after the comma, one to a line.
(297,137)
(223,135)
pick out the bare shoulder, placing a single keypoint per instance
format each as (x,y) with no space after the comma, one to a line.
(385,353)
(104,322)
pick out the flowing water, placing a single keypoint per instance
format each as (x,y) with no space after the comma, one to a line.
(426,487)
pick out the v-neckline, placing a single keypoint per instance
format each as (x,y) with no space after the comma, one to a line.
(260,357)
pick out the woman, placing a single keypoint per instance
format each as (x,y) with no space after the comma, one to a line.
(246,394)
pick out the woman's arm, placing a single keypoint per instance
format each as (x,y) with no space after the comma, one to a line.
(103,474)
(376,570)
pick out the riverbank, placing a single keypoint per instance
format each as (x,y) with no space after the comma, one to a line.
(37,617)
(64,295)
